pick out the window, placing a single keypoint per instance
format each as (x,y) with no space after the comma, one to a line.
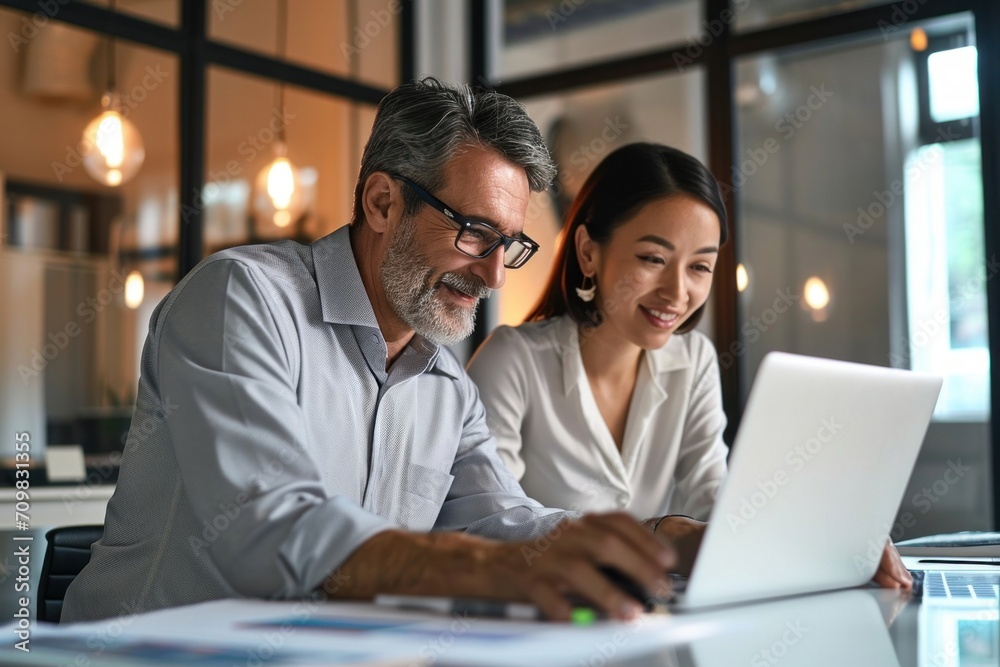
(947,273)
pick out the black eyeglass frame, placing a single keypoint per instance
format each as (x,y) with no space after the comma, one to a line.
(465,223)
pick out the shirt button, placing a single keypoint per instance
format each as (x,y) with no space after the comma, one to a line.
(375,337)
(623,500)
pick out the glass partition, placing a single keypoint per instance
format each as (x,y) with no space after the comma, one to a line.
(252,123)
(356,39)
(861,237)
(83,262)
(757,15)
(540,36)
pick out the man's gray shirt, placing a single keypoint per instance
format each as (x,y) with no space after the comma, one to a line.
(269,442)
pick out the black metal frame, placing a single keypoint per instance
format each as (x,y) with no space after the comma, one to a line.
(718,58)
(101,210)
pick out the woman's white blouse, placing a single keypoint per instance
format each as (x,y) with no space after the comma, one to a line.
(551,434)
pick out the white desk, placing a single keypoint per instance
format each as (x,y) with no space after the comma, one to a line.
(861,627)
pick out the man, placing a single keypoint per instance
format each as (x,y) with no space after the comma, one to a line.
(299,428)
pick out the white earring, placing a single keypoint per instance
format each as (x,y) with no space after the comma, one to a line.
(585,293)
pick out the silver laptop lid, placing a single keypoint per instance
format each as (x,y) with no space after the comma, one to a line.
(818,470)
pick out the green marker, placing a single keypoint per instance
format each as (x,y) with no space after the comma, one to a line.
(582,616)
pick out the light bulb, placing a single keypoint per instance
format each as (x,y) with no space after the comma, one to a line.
(282,218)
(918,39)
(280,183)
(279,196)
(113,150)
(135,288)
(816,294)
(742,278)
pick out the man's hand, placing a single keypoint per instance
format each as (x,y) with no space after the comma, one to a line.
(569,562)
(543,571)
(685,534)
(891,571)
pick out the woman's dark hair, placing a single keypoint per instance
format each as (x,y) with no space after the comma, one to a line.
(622,184)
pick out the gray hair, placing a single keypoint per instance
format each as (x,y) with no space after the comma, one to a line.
(420,126)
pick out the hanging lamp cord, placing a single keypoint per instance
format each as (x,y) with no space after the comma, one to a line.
(112,82)
(280,91)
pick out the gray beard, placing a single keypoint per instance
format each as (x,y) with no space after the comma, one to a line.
(406,281)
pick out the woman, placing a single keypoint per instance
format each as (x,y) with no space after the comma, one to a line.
(606,398)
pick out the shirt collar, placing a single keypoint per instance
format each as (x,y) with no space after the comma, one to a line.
(344,300)
(342,295)
(671,357)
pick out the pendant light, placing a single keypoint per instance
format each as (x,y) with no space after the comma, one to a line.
(113,151)
(279,185)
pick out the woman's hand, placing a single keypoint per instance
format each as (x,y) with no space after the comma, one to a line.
(891,571)
(685,534)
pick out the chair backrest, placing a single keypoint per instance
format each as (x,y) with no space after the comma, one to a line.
(67,552)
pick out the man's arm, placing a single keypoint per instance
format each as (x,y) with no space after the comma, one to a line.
(544,571)
(240,442)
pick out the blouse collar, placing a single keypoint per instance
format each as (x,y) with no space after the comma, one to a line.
(671,357)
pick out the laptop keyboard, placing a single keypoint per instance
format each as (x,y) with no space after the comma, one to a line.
(961,585)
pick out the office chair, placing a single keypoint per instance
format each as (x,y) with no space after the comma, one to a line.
(67,553)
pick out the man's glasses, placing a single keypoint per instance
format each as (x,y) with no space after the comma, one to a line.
(476,238)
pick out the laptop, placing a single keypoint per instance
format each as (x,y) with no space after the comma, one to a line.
(817,473)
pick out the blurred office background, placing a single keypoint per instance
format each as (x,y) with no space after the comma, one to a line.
(857,141)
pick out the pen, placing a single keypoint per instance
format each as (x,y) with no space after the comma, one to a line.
(443,605)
